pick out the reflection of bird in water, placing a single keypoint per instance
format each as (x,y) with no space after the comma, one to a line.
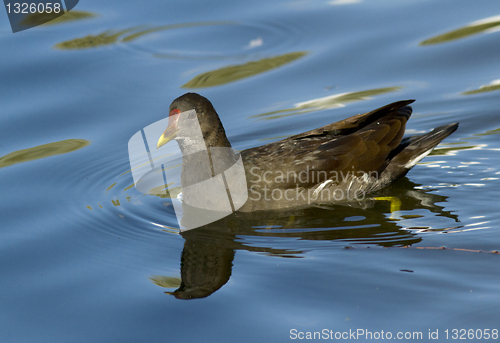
(339,162)
(205,267)
(208,254)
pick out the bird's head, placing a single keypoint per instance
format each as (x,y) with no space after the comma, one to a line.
(188,115)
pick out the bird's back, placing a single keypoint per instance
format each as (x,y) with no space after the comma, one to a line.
(363,152)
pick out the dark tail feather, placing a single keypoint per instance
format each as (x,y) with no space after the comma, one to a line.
(412,150)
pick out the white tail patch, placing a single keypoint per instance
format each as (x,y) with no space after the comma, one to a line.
(416,159)
(321,186)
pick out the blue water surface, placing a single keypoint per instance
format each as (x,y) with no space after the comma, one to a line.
(87,258)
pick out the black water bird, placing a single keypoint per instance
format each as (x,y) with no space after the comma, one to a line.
(339,162)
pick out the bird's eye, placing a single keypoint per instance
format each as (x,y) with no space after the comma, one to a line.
(192,115)
(174,112)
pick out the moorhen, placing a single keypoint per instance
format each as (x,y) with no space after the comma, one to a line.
(339,162)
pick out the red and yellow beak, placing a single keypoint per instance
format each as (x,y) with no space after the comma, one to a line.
(170,132)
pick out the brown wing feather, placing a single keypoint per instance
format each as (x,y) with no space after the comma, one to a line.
(354,123)
(360,143)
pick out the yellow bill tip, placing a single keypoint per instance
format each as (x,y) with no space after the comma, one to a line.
(166,137)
